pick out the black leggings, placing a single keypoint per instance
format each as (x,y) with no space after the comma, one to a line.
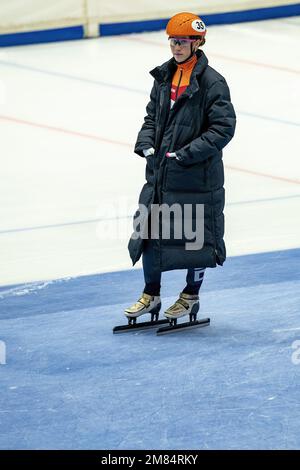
(194,276)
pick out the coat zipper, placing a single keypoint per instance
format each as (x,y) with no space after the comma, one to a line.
(178,84)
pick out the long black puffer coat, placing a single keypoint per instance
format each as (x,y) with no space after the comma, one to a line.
(197,128)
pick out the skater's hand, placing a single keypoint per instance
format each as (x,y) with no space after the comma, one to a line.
(173,155)
(148,152)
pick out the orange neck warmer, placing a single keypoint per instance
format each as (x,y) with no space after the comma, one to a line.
(181,78)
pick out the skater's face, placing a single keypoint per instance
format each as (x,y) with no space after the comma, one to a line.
(181,47)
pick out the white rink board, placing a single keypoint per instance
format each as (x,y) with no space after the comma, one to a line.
(31,15)
(134,10)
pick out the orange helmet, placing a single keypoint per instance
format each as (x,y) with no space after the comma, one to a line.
(186,24)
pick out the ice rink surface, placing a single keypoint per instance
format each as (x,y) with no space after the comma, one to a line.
(70,113)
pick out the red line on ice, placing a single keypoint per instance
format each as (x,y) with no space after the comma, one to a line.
(126,144)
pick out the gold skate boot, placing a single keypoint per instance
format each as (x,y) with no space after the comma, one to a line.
(187,304)
(146,304)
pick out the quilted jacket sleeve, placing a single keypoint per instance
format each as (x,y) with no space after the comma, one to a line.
(146,136)
(221,120)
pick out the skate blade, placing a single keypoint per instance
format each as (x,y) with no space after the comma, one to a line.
(183,326)
(139,326)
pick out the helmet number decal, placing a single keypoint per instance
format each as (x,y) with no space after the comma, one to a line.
(198,25)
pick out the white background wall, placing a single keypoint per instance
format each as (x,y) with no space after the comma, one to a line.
(110,11)
(28,15)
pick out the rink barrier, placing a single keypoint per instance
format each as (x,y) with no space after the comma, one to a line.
(111,29)
(258,14)
(46,35)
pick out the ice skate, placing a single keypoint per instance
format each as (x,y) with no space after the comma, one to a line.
(146,304)
(187,304)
